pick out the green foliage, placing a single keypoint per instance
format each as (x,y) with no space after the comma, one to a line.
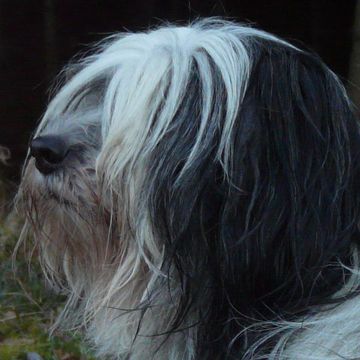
(28,308)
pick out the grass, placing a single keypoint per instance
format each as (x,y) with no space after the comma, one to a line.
(27,307)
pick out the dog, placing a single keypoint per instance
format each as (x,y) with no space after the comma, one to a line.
(195,192)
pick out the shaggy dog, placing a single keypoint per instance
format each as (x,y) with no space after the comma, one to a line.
(195,191)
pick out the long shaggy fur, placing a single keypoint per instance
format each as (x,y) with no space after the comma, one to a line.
(209,202)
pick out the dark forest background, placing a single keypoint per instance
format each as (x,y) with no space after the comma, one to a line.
(38,37)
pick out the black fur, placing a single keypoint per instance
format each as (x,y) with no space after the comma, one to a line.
(265,242)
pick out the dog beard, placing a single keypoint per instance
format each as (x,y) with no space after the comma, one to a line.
(195,196)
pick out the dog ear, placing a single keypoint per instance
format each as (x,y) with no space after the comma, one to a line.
(296,158)
(270,233)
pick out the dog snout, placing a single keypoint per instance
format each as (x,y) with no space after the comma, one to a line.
(49,152)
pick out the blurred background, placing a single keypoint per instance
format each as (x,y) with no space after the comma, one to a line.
(38,37)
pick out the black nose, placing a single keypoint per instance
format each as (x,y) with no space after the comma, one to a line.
(49,151)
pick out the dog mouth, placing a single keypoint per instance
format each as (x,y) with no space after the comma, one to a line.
(60,200)
(53,188)
(67,188)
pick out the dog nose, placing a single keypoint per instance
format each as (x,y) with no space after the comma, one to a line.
(49,151)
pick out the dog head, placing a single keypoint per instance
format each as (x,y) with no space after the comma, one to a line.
(187,183)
